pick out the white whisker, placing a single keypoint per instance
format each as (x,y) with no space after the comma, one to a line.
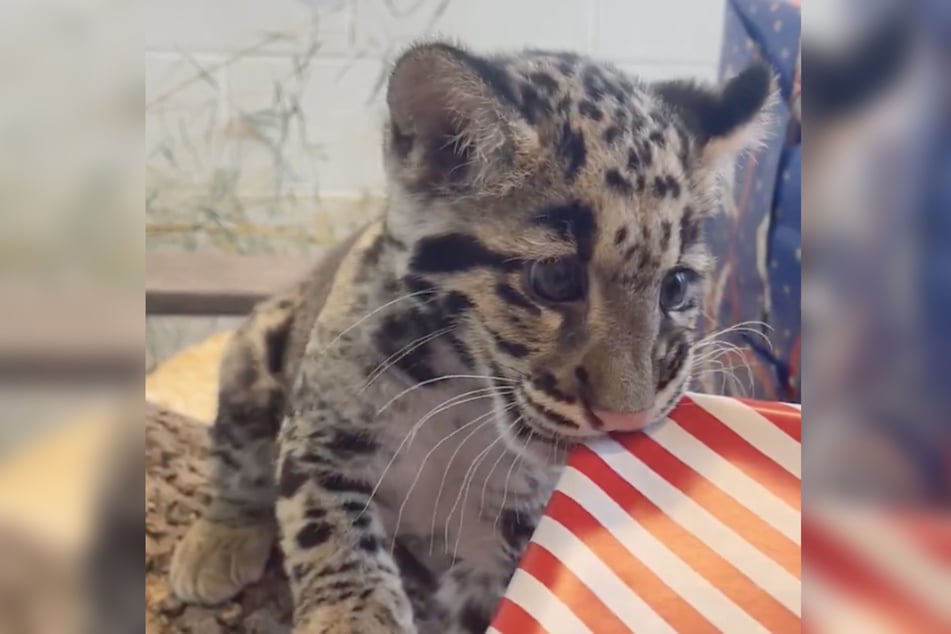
(419,472)
(750,327)
(485,482)
(371,314)
(442,484)
(442,378)
(467,479)
(445,405)
(397,356)
(505,489)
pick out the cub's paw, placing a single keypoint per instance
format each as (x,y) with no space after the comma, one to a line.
(214,562)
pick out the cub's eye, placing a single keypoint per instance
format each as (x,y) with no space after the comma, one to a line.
(558,280)
(673,290)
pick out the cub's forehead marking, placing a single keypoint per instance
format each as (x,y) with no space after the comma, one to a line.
(573,221)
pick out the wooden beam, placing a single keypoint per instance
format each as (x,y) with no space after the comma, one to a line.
(208,283)
(74,334)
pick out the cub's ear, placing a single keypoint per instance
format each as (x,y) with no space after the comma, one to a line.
(454,123)
(727,120)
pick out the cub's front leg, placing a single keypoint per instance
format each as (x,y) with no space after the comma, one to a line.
(342,576)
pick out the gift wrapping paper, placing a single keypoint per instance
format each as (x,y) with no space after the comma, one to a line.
(692,526)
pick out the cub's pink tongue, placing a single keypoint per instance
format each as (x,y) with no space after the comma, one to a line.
(623,421)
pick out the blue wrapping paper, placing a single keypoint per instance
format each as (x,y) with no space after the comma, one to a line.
(756,237)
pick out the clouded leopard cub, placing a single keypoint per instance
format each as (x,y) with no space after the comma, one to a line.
(399,419)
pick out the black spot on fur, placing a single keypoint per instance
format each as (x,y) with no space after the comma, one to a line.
(571,148)
(629,254)
(457,303)
(611,134)
(620,236)
(646,152)
(616,90)
(415,364)
(657,137)
(338,569)
(299,571)
(515,528)
(457,252)
(660,187)
(593,83)
(633,160)
(573,220)
(665,230)
(582,375)
(544,81)
(291,478)
(410,566)
(672,363)
(509,295)
(394,327)
(547,383)
(620,116)
(314,534)
(353,507)
(474,619)
(368,543)
(618,183)
(690,229)
(462,351)
(348,442)
(416,284)
(643,262)
(588,109)
(640,183)
(339,590)
(315,513)
(336,483)
(673,186)
(533,105)
(510,348)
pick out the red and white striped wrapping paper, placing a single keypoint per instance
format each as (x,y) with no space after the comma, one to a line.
(876,570)
(691,527)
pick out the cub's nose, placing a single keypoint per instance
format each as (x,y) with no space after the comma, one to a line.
(623,421)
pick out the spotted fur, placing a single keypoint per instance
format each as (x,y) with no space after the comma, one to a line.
(422,393)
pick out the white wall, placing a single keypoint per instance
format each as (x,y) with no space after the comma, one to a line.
(654,38)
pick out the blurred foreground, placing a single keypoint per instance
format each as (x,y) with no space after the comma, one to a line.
(876,298)
(876,311)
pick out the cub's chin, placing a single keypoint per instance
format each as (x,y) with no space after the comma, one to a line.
(531,437)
